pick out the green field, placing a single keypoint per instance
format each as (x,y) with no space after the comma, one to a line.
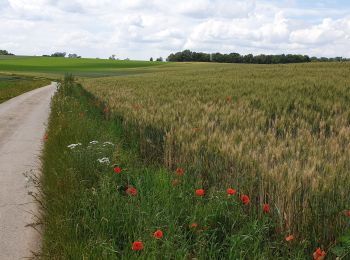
(79,67)
(12,86)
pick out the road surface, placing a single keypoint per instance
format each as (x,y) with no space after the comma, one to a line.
(22,127)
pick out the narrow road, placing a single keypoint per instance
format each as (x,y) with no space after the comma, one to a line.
(22,127)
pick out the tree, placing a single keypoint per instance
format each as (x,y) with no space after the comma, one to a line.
(112,57)
(74,56)
(5,52)
(58,54)
(151,59)
(159,59)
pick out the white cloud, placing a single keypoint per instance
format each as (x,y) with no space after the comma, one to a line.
(142,28)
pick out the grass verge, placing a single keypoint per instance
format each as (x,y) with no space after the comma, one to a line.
(99,197)
(12,86)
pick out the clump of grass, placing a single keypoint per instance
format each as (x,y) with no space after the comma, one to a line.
(280,133)
(91,210)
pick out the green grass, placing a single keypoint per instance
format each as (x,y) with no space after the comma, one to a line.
(12,86)
(80,67)
(88,215)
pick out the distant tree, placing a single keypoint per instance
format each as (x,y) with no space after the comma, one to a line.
(112,57)
(5,52)
(151,59)
(159,59)
(127,59)
(74,56)
(58,54)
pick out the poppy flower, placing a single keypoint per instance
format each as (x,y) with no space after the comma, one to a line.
(46,137)
(194,225)
(131,191)
(158,234)
(266,208)
(180,172)
(245,199)
(228,98)
(117,170)
(319,254)
(289,238)
(200,192)
(348,213)
(231,191)
(137,246)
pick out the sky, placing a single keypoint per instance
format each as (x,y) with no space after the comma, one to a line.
(140,29)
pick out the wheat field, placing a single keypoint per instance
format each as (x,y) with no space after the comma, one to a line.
(280,133)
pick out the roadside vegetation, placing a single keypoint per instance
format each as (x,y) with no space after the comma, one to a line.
(280,134)
(101,201)
(198,161)
(12,86)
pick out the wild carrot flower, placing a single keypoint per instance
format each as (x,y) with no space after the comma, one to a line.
(131,191)
(194,225)
(266,208)
(158,234)
(117,170)
(289,238)
(319,254)
(231,191)
(180,172)
(137,246)
(200,192)
(245,199)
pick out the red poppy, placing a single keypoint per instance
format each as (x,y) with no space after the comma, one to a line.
(319,254)
(200,192)
(180,172)
(348,213)
(266,208)
(231,191)
(289,238)
(194,225)
(117,170)
(228,98)
(131,191)
(137,245)
(245,199)
(46,137)
(158,234)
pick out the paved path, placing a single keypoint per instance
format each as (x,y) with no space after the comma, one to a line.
(22,127)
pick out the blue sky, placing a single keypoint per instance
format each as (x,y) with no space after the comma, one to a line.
(139,29)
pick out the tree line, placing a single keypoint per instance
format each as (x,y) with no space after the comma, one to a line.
(5,52)
(188,55)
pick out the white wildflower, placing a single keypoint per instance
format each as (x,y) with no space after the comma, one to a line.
(72,146)
(94,142)
(107,143)
(104,160)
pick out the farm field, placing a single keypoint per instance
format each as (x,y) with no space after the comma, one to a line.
(55,66)
(215,161)
(279,134)
(11,85)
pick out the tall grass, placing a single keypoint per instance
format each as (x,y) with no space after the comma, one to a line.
(88,214)
(279,133)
